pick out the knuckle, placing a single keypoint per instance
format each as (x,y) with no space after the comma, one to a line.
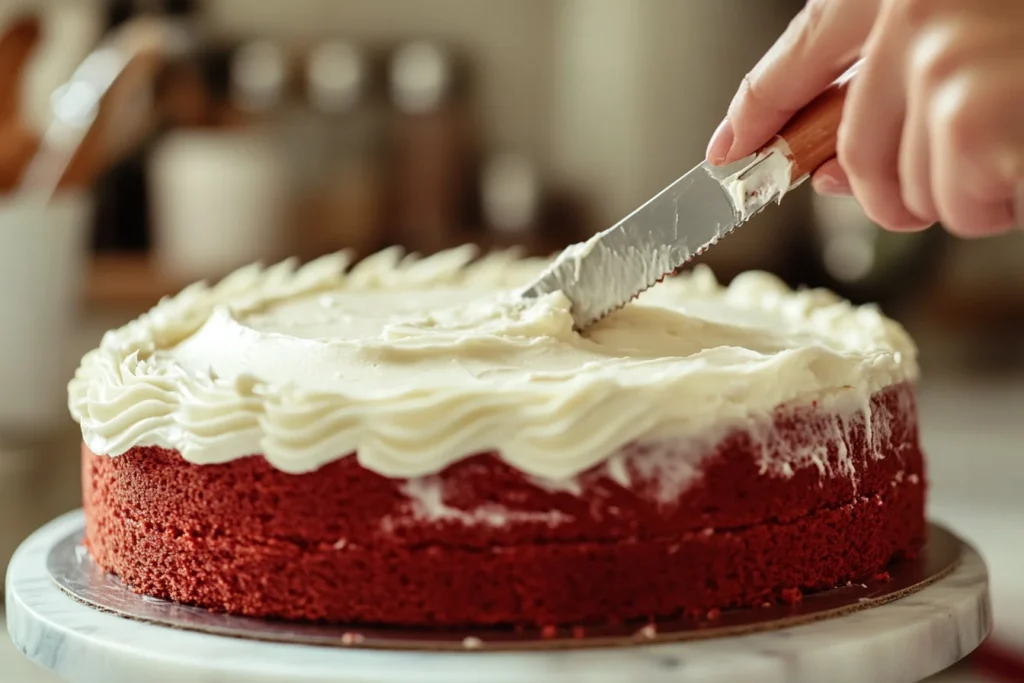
(960,120)
(936,60)
(882,216)
(756,96)
(900,222)
(916,13)
(855,158)
(966,215)
(955,226)
(804,31)
(921,206)
(946,53)
(975,226)
(885,207)
(813,15)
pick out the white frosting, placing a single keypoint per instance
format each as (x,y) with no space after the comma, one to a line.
(417,363)
(427,496)
(768,177)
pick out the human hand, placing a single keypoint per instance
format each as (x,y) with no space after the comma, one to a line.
(933,126)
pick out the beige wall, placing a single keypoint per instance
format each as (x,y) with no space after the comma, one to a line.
(659,75)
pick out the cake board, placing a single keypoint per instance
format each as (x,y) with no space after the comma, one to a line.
(906,640)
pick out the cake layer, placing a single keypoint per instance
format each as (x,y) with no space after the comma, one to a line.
(657,529)
(532,584)
(415,363)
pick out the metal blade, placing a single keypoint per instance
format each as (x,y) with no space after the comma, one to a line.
(614,266)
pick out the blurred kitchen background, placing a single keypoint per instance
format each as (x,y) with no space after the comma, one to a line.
(242,130)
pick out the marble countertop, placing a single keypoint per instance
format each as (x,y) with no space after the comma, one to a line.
(15,668)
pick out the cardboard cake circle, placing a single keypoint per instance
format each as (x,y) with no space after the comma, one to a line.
(72,569)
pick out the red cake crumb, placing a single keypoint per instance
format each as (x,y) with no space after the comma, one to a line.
(884,577)
(345,545)
(648,631)
(351,638)
(791,596)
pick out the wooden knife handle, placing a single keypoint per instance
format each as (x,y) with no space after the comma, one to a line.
(811,133)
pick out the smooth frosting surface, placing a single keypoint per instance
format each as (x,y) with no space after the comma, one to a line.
(416,363)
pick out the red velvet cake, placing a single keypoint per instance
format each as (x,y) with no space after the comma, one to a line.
(409,443)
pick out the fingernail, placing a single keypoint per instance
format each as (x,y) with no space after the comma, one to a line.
(721,143)
(832,187)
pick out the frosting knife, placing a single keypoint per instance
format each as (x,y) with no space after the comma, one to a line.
(691,215)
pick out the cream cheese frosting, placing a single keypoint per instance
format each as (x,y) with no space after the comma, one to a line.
(768,177)
(416,363)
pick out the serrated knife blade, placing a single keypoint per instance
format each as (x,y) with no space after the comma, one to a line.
(690,216)
(680,222)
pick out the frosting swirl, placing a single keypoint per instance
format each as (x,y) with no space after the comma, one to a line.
(416,363)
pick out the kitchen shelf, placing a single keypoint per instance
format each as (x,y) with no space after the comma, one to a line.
(125,280)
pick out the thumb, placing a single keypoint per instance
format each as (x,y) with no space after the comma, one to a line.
(820,43)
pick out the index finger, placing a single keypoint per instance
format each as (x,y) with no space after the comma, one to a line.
(821,42)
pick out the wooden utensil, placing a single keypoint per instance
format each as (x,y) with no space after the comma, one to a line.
(811,134)
(107,139)
(17,142)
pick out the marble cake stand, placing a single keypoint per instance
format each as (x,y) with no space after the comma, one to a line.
(904,641)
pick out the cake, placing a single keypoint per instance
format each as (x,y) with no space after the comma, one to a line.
(409,443)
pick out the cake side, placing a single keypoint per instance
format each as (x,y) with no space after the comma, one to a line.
(626,539)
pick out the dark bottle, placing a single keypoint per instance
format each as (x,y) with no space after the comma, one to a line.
(122,201)
(433,148)
(345,207)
